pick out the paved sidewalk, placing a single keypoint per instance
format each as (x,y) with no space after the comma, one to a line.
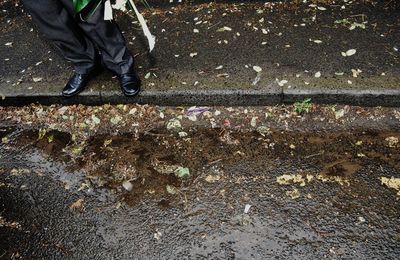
(210,54)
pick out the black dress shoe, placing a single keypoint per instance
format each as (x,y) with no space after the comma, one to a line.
(79,81)
(130,84)
(75,84)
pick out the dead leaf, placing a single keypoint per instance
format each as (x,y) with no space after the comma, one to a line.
(77,205)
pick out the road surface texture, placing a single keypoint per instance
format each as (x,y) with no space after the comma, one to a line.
(144,182)
(225,52)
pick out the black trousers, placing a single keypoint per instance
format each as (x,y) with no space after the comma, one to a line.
(81,41)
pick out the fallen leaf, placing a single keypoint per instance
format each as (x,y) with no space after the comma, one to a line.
(223,29)
(392,182)
(392,141)
(171,189)
(77,205)
(253,121)
(287,179)
(212,178)
(356,72)
(157,235)
(247,208)
(294,194)
(95,119)
(225,75)
(115,120)
(282,82)
(257,69)
(127,185)
(339,114)
(174,123)
(349,53)
(37,79)
(182,172)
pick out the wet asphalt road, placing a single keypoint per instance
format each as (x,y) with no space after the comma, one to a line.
(280,195)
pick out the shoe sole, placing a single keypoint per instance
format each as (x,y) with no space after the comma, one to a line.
(76,93)
(131,95)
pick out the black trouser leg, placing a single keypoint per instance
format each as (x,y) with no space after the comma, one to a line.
(76,38)
(56,22)
(110,41)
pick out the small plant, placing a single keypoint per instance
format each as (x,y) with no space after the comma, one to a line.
(351,24)
(304,106)
(42,133)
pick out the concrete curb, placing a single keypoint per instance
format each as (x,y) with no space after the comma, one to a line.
(388,98)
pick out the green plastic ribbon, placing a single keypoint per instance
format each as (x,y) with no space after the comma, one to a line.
(79,5)
(86,8)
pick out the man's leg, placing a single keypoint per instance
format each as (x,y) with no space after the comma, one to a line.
(109,39)
(59,25)
(111,43)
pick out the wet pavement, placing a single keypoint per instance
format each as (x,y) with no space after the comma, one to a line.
(200,182)
(224,53)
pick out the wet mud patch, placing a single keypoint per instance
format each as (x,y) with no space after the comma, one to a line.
(51,142)
(168,167)
(341,168)
(144,166)
(157,164)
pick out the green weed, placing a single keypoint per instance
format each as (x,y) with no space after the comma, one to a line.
(302,107)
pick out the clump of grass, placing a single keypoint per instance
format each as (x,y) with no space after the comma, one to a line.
(302,107)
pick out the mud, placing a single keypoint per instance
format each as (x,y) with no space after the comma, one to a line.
(338,209)
(148,160)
